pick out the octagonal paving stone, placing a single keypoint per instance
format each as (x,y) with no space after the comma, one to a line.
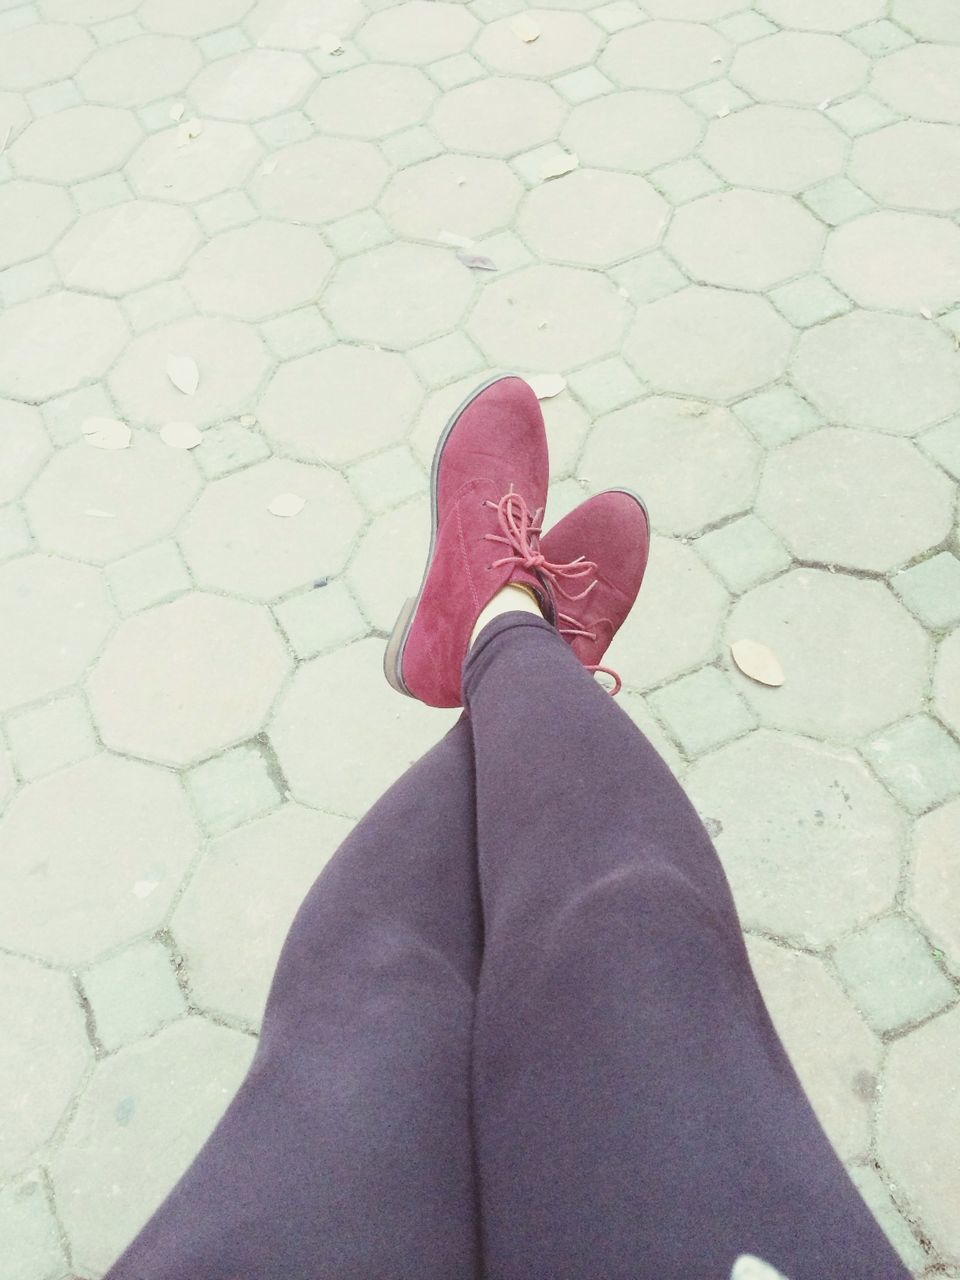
(321,179)
(881,372)
(398,295)
(231,540)
(75,143)
(566,40)
(138,71)
(928,19)
(93,856)
(33,216)
(149,701)
(141,1120)
(856,499)
(918,1138)
(252,85)
(946,682)
(371,101)
(92,10)
(126,247)
(635,130)
(775,148)
(744,239)
(343,736)
(708,342)
(833,1051)
(934,893)
(694,10)
(339,404)
(416,31)
(548,318)
(693,463)
(39,53)
(801,68)
(559,220)
(63,615)
(218,160)
(467,195)
(853,659)
(258,271)
(911,165)
(250,884)
(24,447)
(231,358)
(675,624)
(387,566)
(822,15)
(904,261)
(497,116)
(51,344)
(297,24)
(100,504)
(46,1056)
(922,82)
(820,854)
(664,55)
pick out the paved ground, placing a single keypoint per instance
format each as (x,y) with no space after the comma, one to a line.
(750,283)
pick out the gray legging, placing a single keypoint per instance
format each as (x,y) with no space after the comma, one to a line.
(514,1034)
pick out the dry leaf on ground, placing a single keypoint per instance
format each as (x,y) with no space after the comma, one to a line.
(758,662)
(525,28)
(287,504)
(180,435)
(477,260)
(106,433)
(183,373)
(557,168)
(547,385)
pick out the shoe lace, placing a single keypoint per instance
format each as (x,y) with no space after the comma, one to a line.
(520,530)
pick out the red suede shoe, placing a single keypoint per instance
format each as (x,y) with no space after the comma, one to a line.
(613,528)
(489,488)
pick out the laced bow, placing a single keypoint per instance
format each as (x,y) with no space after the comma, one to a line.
(520,531)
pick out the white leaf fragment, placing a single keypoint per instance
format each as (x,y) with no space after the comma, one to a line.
(477,260)
(558,167)
(183,373)
(176,111)
(286,504)
(247,420)
(100,515)
(144,888)
(547,385)
(106,433)
(180,435)
(525,28)
(758,662)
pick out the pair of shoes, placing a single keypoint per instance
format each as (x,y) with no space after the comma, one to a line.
(489,492)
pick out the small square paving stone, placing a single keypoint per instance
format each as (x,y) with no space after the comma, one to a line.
(649,278)
(451,73)
(878,38)
(742,27)
(837,200)
(133,994)
(609,385)
(617,16)
(22,16)
(445,359)
(411,146)
(157,305)
(51,737)
(809,300)
(28,1229)
(861,114)
(6,169)
(148,577)
(229,447)
(220,44)
(29,280)
(155,117)
(117,29)
(506,250)
(776,416)
(743,553)
(233,788)
(101,193)
(582,85)
(387,479)
(718,99)
(931,590)
(357,232)
(225,211)
(952,321)
(685,180)
(942,443)
(281,131)
(918,760)
(890,974)
(298,332)
(320,619)
(64,414)
(53,97)
(15,537)
(702,710)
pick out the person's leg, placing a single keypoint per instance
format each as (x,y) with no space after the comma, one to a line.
(347,1153)
(635,1114)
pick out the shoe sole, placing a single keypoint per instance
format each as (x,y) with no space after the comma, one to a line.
(396,645)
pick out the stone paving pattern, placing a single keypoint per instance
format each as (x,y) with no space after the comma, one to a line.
(750,280)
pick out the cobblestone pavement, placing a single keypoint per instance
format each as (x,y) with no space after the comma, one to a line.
(749,279)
